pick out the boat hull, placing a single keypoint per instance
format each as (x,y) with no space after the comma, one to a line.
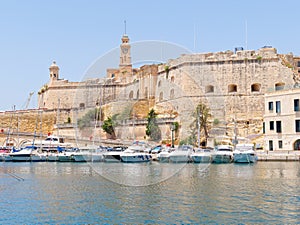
(201,158)
(222,158)
(135,158)
(245,158)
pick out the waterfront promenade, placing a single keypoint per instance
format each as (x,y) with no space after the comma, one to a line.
(278,155)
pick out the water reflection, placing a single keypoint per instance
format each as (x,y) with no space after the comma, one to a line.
(266,192)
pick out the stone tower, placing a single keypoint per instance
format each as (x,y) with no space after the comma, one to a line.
(54,72)
(125,57)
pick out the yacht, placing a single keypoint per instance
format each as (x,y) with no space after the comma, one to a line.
(244,153)
(181,154)
(22,155)
(223,154)
(113,154)
(164,155)
(201,156)
(138,152)
(88,155)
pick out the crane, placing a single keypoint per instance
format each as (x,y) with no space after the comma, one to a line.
(28,100)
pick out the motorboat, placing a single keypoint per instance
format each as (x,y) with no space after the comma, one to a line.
(201,155)
(244,153)
(113,154)
(138,152)
(4,154)
(181,154)
(164,155)
(223,154)
(22,155)
(88,155)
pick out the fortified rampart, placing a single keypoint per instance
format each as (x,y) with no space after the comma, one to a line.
(231,84)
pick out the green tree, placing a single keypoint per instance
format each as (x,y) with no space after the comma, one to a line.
(88,119)
(152,129)
(201,115)
(109,125)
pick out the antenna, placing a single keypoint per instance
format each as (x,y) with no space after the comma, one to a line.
(246,38)
(194,38)
(125,26)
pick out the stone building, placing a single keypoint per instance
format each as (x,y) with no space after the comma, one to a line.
(231,84)
(282,120)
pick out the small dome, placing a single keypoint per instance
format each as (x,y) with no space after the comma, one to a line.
(54,65)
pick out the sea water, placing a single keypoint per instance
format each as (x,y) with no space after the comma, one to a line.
(149,193)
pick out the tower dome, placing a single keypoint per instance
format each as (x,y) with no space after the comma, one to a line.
(54,71)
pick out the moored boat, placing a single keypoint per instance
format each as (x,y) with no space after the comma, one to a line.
(201,156)
(223,154)
(244,153)
(181,154)
(138,152)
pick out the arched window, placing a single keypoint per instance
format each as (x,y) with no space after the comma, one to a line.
(159,83)
(161,96)
(131,95)
(279,86)
(172,94)
(232,88)
(255,87)
(209,89)
(172,79)
(146,92)
(138,94)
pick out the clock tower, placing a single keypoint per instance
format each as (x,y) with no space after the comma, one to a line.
(125,58)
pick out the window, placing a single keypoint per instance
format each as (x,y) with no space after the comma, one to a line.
(138,94)
(161,96)
(297,125)
(280,144)
(232,88)
(296,105)
(172,79)
(271,125)
(146,92)
(270,106)
(209,89)
(270,145)
(278,127)
(172,94)
(278,107)
(81,105)
(279,86)
(131,95)
(264,128)
(255,87)
(159,83)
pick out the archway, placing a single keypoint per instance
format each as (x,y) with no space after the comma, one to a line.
(297,145)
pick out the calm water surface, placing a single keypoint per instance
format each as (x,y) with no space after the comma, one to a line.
(82,193)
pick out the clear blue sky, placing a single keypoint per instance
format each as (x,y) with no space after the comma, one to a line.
(75,33)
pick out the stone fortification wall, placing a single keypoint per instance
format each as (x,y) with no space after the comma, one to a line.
(231,84)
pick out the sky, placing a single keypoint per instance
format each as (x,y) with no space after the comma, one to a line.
(75,33)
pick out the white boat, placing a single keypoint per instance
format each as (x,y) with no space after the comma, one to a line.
(164,155)
(223,154)
(181,154)
(113,154)
(201,156)
(88,156)
(244,153)
(38,157)
(138,152)
(22,155)
(66,156)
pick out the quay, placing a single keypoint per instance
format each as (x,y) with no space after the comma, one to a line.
(278,155)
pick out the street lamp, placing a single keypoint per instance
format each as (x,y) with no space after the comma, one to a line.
(172,127)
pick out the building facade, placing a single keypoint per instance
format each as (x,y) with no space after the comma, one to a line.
(231,84)
(282,120)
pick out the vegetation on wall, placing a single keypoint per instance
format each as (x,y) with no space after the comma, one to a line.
(109,124)
(152,129)
(89,118)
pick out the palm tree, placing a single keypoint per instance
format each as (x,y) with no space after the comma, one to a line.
(201,122)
